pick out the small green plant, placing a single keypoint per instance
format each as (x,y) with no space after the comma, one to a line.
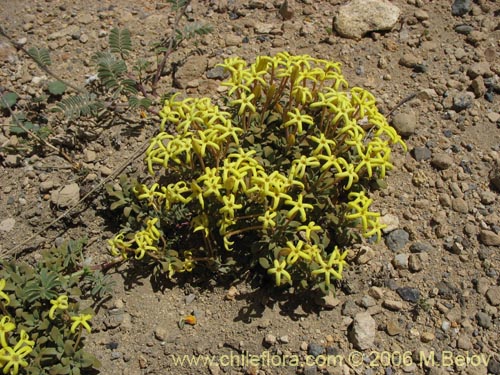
(41,320)
(281,175)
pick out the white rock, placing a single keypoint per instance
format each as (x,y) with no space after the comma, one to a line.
(362,334)
(7,225)
(392,222)
(359,17)
(66,196)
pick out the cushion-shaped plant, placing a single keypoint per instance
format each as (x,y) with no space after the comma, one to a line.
(280,173)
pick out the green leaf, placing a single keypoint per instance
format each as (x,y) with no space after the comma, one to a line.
(8,100)
(264,262)
(120,42)
(40,55)
(57,87)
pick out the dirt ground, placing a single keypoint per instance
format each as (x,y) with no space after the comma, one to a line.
(429,290)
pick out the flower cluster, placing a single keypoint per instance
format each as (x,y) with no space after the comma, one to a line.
(286,165)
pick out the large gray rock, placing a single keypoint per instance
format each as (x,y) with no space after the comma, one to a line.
(362,333)
(359,17)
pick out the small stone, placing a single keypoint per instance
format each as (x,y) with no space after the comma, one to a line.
(359,17)
(217,73)
(478,87)
(105,171)
(495,178)
(13,161)
(397,239)
(376,292)
(270,339)
(368,301)
(462,101)
(232,293)
(90,156)
(463,342)
(460,205)
(427,337)
(405,123)
(263,28)
(84,38)
(232,40)
(364,255)
(442,161)
(160,334)
(421,153)
(315,349)
(494,366)
(284,339)
(415,263)
(409,60)
(190,298)
(393,305)
(362,333)
(6,225)
(400,261)
(480,69)
(193,68)
(464,29)
(328,301)
(461,7)
(393,328)
(286,11)
(483,319)
(46,186)
(421,15)
(489,238)
(409,294)
(67,196)
(214,368)
(493,295)
(421,247)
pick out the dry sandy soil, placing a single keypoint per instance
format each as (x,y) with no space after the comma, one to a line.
(430,288)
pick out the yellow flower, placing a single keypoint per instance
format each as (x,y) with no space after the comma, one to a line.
(3,295)
(245,102)
(294,252)
(12,358)
(119,246)
(324,144)
(298,207)
(200,222)
(268,219)
(309,228)
(60,303)
(361,204)
(5,326)
(279,272)
(334,267)
(229,206)
(298,119)
(348,172)
(304,162)
(80,321)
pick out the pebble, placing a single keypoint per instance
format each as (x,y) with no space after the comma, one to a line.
(483,319)
(315,349)
(284,339)
(400,261)
(358,17)
(462,101)
(390,221)
(461,7)
(263,28)
(480,69)
(105,170)
(464,343)
(6,225)
(415,263)
(397,239)
(489,238)
(160,334)
(13,161)
(421,247)
(66,196)
(193,68)
(494,176)
(409,60)
(393,328)
(494,366)
(362,332)
(427,337)
(393,305)
(409,294)
(442,161)
(460,205)
(493,295)
(270,339)
(232,40)
(405,123)
(421,153)
(46,186)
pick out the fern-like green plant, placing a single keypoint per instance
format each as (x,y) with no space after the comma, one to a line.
(40,55)
(75,106)
(120,42)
